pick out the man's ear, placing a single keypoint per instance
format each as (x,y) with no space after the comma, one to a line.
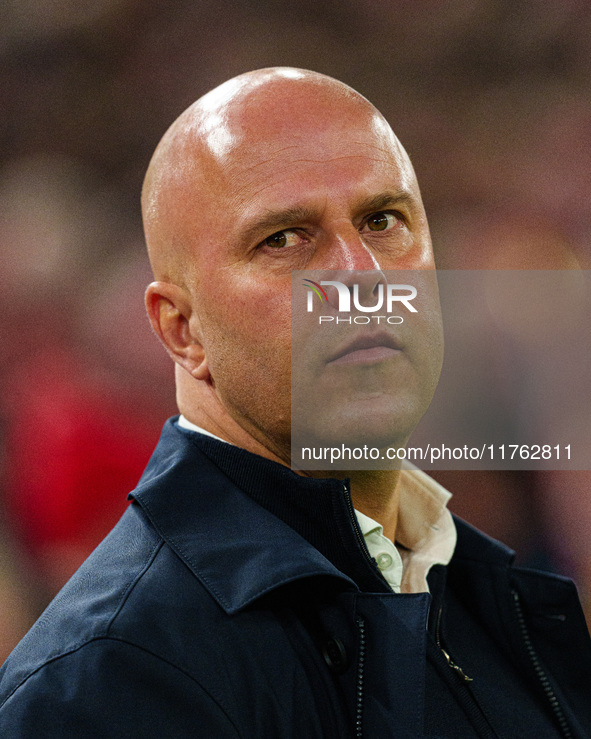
(169,310)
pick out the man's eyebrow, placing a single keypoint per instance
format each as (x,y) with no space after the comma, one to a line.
(385,200)
(276,220)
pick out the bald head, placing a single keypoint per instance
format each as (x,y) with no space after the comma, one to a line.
(202,153)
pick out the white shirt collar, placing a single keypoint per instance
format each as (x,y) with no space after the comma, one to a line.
(425,533)
(184,423)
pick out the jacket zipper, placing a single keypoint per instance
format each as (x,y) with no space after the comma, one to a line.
(539,670)
(360,625)
(455,667)
(358,534)
(473,709)
(359,685)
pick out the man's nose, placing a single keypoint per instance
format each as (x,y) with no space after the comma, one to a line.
(348,260)
(345,249)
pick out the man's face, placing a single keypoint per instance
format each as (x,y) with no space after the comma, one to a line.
(301,186)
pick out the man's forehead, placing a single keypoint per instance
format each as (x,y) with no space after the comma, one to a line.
(254,150)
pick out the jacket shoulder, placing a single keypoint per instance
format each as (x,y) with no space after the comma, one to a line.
(86,607)
(107,683)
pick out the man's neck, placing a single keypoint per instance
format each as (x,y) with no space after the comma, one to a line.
(374,492)
(206,412)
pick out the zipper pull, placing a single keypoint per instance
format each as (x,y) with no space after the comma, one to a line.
(461,674)
(456,668)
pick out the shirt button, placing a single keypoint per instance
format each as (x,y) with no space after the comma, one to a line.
(384,561)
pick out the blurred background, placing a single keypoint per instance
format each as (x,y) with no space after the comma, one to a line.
(492,99)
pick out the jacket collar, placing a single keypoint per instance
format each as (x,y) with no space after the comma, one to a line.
(245,525)
(472,544)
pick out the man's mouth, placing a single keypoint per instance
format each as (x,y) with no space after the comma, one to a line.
(367,349)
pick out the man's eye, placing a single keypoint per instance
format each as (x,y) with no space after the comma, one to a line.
(281,239)
(381,221)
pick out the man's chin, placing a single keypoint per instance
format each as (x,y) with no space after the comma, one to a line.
(380,434)
(382,420)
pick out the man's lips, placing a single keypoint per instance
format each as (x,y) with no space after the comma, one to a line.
(367,349)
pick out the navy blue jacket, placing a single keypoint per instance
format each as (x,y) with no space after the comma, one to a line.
(237,599)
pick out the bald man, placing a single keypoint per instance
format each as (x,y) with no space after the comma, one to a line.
(239,598)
